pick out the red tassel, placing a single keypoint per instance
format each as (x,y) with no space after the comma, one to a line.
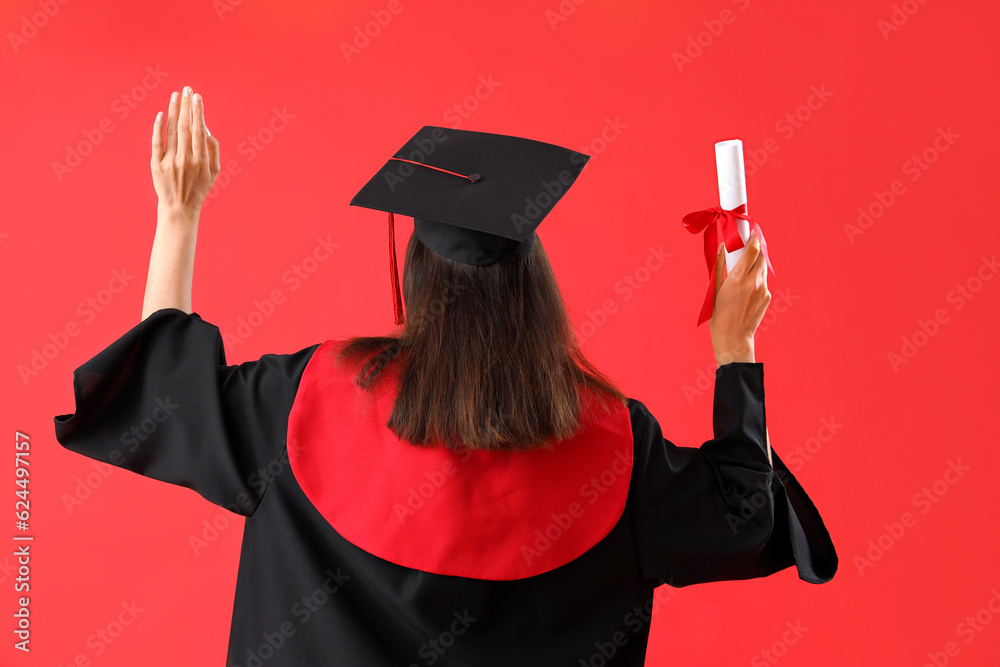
(397,298)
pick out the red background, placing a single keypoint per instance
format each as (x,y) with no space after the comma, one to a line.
(845,303)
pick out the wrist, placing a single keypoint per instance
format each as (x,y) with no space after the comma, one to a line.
(741,353)
(177,215)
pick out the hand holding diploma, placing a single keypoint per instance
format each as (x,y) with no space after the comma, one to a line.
(741,297)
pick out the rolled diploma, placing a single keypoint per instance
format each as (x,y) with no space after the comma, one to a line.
(732,188)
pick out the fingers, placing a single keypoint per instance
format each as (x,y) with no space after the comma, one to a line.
(759,267)
(184,126)
(758,271)
(172,113)
(764,299)
(157,154)
(720,266)
(750,255)
(198,134)
(746,297)
(214,159)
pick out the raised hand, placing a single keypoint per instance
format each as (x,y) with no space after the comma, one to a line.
(740,301)
(185,169)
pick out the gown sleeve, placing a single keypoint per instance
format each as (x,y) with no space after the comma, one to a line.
(162,402)
(721,512)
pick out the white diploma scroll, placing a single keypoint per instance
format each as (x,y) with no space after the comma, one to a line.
(732,188)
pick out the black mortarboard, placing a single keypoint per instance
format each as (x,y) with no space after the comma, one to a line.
(475,197)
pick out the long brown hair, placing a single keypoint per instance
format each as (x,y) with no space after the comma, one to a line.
(487,358)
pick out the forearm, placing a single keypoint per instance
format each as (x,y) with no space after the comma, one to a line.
(171,263)
(739,402)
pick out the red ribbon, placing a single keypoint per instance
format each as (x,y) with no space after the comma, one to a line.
(719,221)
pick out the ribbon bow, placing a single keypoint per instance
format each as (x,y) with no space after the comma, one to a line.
(719,221)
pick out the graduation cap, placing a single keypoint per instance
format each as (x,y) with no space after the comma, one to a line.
(475,197)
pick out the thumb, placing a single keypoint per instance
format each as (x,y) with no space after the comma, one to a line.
(214,156)
(720,267)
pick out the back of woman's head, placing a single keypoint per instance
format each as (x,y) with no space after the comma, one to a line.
(487,358)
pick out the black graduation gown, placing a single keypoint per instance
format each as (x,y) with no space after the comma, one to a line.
(162,402)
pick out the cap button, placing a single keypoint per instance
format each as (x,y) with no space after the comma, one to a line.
(473,178)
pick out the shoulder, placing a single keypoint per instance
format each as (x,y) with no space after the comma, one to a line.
(640,416)
(275,376)
(316,371)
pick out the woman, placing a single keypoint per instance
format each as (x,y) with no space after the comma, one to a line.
(470,491)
